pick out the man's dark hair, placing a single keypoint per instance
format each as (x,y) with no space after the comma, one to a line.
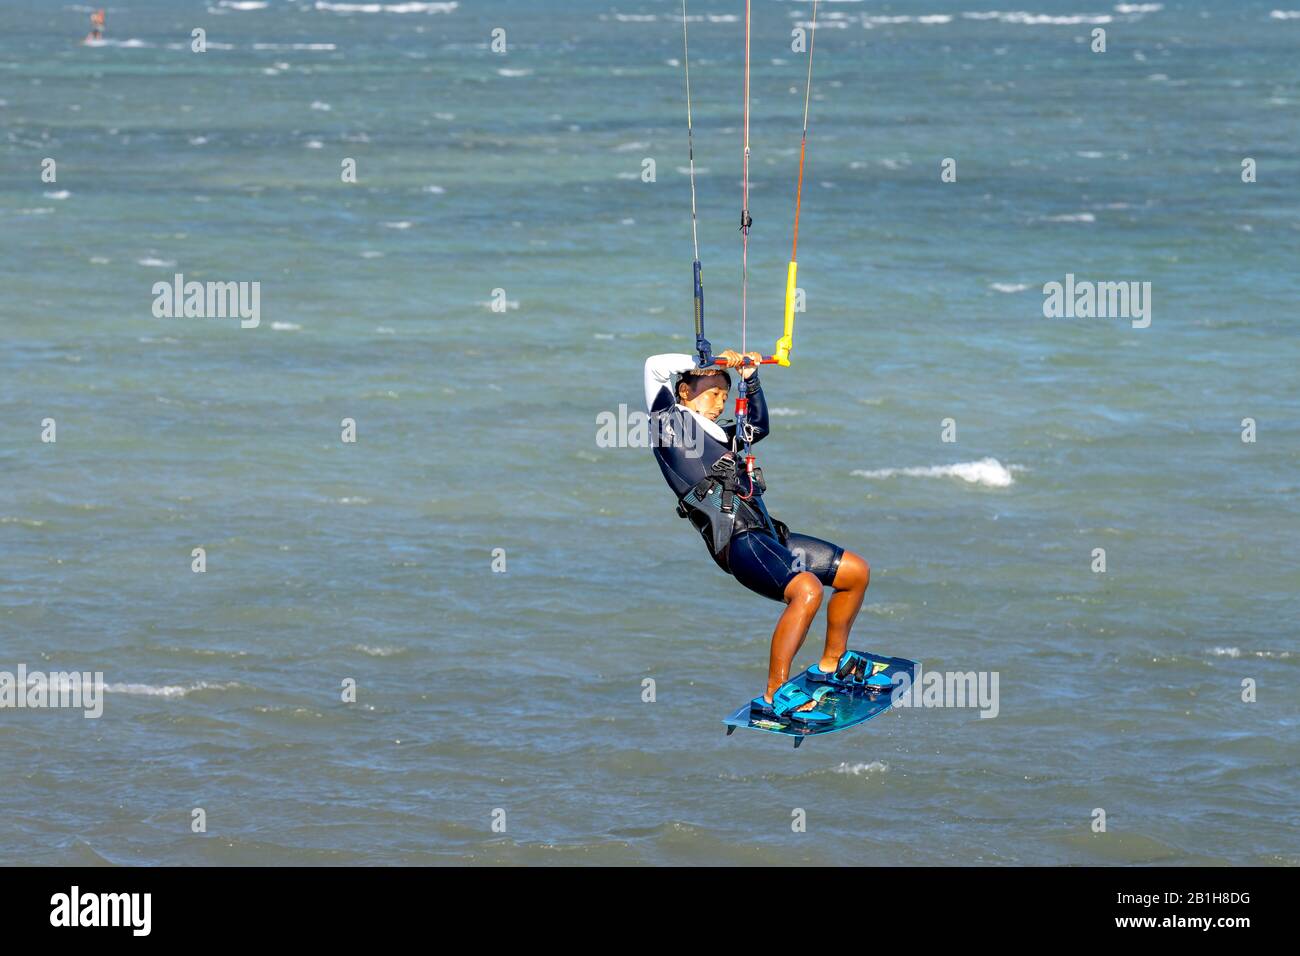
(691,376)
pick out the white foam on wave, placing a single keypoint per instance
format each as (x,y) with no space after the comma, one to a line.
(379,651)
(1022,17)
(988,472)
(165,690)
(676,18)
(242,5)
(1285,14)
(858,769)
(1237,652)
(1008,287)
(157,263)
(926,19)
(293,46)
(385,7)
(119,44)
(1073,217)
(1040,19)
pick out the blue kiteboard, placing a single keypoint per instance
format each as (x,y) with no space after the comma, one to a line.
(846,705)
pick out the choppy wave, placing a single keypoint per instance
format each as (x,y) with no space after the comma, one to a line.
(165,690)
(25,522)
(1019,17)
(842,20)
(118,44)
(63,681)
(924,18)
(858,769)
(386,7)
(886,608)
(293,46)
(1025,18)
(988,472)
(676,18)
(1238,652)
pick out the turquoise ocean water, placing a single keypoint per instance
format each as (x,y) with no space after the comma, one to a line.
(477,429)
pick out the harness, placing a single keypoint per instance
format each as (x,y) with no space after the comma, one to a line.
(720,510)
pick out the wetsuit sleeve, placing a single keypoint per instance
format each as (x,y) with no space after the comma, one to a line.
(757,408)
(659,372)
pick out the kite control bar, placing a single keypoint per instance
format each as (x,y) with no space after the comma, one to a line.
(748,363)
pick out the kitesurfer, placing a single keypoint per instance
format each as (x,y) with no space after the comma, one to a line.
(96,26)
(725,503)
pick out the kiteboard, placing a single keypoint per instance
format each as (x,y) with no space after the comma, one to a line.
(848,706)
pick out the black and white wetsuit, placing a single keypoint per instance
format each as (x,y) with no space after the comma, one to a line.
(686,444)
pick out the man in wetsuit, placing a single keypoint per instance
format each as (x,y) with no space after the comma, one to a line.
(685,403)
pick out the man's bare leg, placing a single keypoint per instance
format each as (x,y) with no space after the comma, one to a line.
(803,596)
(851,580)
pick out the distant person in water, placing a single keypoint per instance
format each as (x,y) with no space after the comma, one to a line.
(96,26)
(725,503)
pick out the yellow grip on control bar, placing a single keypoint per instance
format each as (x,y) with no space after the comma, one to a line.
(786,341)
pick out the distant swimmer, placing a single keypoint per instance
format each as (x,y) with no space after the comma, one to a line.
(96,27)
(721,493)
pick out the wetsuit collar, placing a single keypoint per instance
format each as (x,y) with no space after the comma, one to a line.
(712,428)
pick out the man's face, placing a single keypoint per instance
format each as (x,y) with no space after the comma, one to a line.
(708,396)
